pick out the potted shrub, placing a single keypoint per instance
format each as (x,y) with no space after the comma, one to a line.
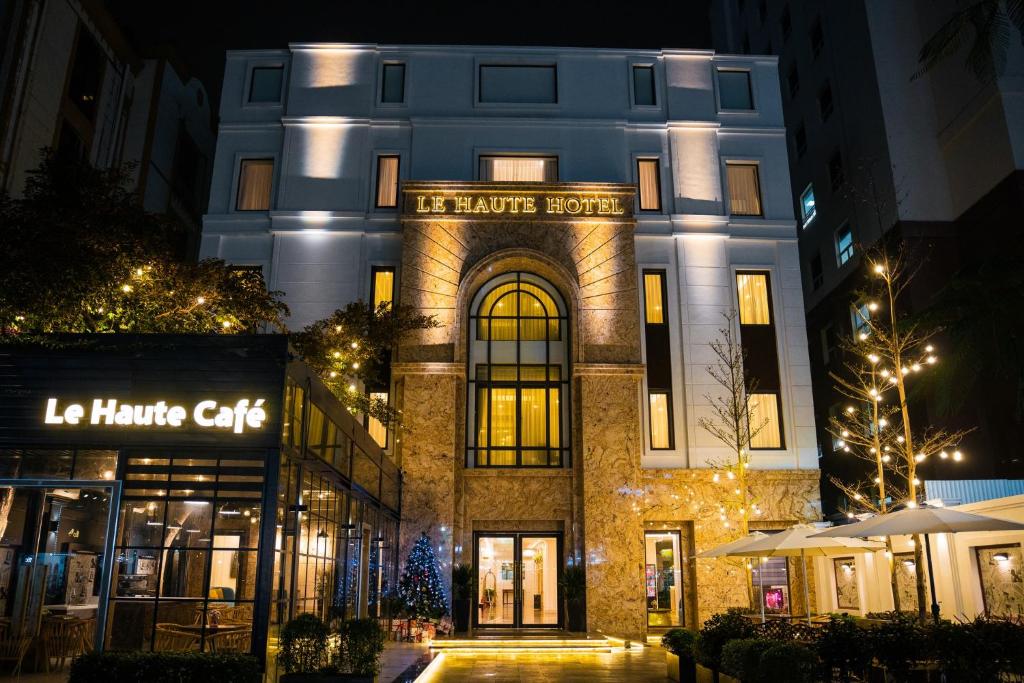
(843,648)
(462,596)
(361,643)
(741,658)
(900,646)
(304,653)
(574,591)
(716,632)
(788,662)
(679,644)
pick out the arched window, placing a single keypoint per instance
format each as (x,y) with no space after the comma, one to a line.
(518,405)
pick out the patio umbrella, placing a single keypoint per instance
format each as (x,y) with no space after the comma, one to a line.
(799,541)
(726,548)
(922,520)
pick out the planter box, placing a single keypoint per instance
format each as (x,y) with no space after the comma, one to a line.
(706,675)
(679,669)
(326,678)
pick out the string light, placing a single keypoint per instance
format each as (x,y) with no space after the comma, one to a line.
(200,300)
(879,268)
(958,456)
(126,288)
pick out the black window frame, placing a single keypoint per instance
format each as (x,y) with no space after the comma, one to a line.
(376,182)
(384,81)
(836,170)
(657,180)
(654,85)
(754,344)
(252,83)
(553,66)
(238,185)
(750,90)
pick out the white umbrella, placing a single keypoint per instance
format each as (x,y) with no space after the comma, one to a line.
(799,541)
(740,543)
(922,520)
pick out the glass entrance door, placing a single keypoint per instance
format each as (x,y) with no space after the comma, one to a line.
(517,580)
(663,578)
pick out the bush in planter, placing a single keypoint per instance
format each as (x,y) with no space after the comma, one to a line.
(304,645)
(680,642)
(574,591)
(979,650)
(716,632)
(899,645)
(462,595)
(843,648)
(361,645)
(788,662)
(741,658)
(165,667)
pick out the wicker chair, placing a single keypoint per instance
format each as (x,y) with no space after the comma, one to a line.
(239,640)
(170,639)
(13,650)
(63,639)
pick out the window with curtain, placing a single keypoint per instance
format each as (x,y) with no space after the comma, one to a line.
(519,169)
(383,286)
(765,424)
(375,427)
(754,302)
(255,178)
(649,183)
(660,408)
(518,390)
(643,86)
(744,189)
(654,298)
(387,181)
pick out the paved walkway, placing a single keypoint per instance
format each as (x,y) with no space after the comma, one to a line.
(639,665)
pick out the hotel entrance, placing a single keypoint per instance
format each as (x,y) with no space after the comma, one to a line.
(517,580)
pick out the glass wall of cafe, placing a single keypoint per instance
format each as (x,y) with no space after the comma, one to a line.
(207,545)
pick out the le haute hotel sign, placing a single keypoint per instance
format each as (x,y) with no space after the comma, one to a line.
(425,200)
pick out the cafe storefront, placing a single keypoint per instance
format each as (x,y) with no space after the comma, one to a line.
(183,493)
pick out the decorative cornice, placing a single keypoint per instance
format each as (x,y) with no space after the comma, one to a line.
(607,369)
(401,369)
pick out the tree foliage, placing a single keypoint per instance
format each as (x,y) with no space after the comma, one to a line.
(420,586)
(78,253)
(984,28)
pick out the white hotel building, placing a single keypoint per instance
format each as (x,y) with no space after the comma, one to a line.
(660,187)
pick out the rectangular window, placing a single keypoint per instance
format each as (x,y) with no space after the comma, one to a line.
(383,286)
(519,169)
(392,88)
(828,343)
(375,427)
(387,181)
(825,101)
(650,184)
(786,22)
(835,170)
(654,298)
(793,80)
(800,140)
(754,302)
(762,10)
(744,189)
(265,86)
(860,321)
(765,425)
(817,38)
(86,77)
(643,86)
(844,244)
(255,178)
(518,84)
(808,209)
(734,90)
(817,274)
(661,421)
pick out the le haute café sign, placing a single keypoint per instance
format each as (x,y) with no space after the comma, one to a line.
(481,204)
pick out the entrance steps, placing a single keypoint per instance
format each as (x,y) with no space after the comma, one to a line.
(514,642)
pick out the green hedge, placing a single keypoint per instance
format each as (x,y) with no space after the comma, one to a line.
(165,667)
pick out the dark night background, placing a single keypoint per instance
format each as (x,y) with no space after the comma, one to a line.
(200,32)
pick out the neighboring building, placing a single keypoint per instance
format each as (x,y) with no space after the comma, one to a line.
(71,81)
(578,220)
(179,492)
(937,161)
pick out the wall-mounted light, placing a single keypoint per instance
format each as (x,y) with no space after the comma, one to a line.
(321,533)
(908,563)
(846,567)
(1001,557)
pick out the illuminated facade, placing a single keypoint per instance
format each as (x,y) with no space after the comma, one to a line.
(578,220)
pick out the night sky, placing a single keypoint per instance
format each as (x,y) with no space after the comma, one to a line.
(200,32)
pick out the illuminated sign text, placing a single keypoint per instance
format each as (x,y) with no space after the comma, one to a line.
(511,204)
(204,414)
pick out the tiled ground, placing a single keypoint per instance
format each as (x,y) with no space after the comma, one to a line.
(635,666)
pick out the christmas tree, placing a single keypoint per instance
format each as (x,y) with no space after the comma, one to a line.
(420,588)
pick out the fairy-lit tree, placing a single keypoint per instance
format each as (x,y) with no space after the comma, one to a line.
(734,425)
(888,351)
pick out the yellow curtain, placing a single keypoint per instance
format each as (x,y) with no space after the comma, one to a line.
(375,427)
(503,417)
(659,421)
(752,291)
(254,180)
(653,298)
(383,287)
(764,409)
(518,169)
(554,417)
(387,181)
(534,418)
(650,193)
(744,189)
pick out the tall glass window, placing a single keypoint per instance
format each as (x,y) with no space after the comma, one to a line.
(744,189)
(844,245)
(519,380)
(519,169)
(649,183)
(808,209)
